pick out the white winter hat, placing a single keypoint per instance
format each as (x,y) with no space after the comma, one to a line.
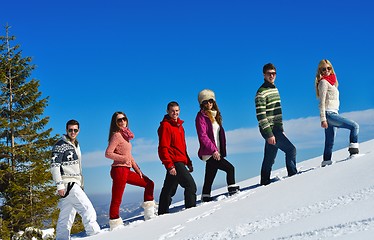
(206,94)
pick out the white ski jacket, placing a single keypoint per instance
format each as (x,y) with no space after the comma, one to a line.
(66,163)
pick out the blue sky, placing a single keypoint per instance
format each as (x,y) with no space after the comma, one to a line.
(97,57)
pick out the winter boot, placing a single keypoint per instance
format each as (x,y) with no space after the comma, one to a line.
(353,149)
(206,198)
(232,189)
(326,163)
(149,209)
(264,182)
(115,224)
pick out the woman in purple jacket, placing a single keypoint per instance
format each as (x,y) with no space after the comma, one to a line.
(212,141)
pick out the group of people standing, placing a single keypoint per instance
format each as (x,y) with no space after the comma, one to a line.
(172,150)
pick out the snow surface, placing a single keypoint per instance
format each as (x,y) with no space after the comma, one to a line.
(336,201)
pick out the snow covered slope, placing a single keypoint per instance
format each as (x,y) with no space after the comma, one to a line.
(320,203)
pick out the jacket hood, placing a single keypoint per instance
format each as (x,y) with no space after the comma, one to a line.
(66,139)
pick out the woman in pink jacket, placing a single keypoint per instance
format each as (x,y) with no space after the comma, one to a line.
(119,150)
(212,141)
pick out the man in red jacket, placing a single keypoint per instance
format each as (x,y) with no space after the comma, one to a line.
(172,151)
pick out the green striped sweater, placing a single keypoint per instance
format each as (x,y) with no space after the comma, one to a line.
(268,109)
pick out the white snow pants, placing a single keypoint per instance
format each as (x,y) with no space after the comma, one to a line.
(76,201)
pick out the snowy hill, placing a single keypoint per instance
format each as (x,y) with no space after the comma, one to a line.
(319,203)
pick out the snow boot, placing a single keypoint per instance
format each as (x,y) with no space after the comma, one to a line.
(149,209)
(264,182)
(326,163)
(115,224)
(206,198)
(232,189)
(353,149)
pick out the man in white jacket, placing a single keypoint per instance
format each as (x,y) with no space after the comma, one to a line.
(66,171)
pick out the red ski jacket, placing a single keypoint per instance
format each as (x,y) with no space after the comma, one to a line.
(172,144)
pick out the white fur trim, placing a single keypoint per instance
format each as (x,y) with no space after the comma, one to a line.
(115,223)
(149,210)
(353,145)
(148,204)
(206,94)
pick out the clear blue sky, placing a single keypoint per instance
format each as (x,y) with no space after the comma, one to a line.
(97,57)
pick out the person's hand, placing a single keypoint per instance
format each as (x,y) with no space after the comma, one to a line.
(61,192)
(173,171)
(324,124)
(190,168)
(140,174)
(217,155)
(271,140)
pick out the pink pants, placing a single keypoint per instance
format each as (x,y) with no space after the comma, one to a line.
(121,176)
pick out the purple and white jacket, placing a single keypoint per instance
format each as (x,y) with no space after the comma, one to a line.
(204,128)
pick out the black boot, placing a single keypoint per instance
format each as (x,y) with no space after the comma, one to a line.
(206,198)
(353,149)
(265,182)
(233,189)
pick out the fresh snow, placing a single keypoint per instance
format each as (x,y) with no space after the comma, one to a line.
(335,201)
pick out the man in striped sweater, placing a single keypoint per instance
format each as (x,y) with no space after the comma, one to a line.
(269,116)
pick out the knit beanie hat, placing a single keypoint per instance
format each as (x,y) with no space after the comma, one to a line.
(206,94)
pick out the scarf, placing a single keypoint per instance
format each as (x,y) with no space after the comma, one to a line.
(213,112)
(330,78)
(211,115)
(126,134)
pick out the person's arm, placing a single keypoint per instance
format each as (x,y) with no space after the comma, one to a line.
(322,92)
(136,168)
(164,136)
(55,169)
(263,122)
(110,151)
(189,162)
(201,129)
(173,172)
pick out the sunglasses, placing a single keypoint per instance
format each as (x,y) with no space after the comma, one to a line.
(207,101)
(121,119)
(271,73)
(325,69)
(70,130)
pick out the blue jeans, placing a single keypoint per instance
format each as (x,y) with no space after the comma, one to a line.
(334,121)
(270,154)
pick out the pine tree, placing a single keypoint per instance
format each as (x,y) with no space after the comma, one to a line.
(27,194)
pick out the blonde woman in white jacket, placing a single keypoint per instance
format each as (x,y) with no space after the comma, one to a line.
(327,91)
